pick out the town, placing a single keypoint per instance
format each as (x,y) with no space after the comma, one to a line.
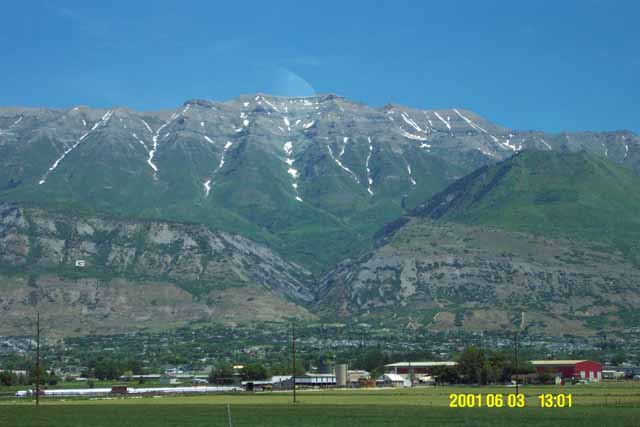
(215,359)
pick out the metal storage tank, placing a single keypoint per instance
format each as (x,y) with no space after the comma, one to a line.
(341,375)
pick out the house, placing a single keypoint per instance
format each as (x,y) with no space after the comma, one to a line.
(575,369)
(393,380)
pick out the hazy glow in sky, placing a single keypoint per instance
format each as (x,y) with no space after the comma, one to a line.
(288,83)
(549,65)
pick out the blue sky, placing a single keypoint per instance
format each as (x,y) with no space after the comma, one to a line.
(550,65)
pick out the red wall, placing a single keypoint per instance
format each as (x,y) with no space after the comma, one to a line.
(573,370)
(587,367)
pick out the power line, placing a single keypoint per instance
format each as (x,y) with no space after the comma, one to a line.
(293,358)
(38,330)
(515,350)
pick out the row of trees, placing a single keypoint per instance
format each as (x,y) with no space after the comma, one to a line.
(106,368)
(477,366)
(8,378)
(225,374)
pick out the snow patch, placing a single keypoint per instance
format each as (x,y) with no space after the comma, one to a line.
(147,126)
(101,122)
(475,125)
(369,179)
(410,122)
(288,150)
(412,136)
(428,118)
(345,141)
(486,153)
(339,163)
(545,143)
(224,153)
(447,124)
(135,136)
(413,181)
(267,102)
(510,146)
(442,120)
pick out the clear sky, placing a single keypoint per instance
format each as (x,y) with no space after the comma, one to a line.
(550,65)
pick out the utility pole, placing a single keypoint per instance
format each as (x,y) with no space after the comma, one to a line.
(38,359)
(410,373)
(293,358)
(515,350)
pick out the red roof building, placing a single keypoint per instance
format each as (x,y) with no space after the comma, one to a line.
(577,369)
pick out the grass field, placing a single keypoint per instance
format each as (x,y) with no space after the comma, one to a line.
(593,405)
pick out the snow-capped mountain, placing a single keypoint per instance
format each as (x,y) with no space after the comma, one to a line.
(314,177)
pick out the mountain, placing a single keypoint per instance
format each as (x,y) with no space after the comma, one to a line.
(261,208)
(137,275)
(573,195)
(542,240)
(313,178)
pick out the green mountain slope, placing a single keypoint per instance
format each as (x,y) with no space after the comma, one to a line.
(313,178)
(574,195)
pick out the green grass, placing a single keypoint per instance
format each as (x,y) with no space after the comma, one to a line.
(602,405)
(574,195)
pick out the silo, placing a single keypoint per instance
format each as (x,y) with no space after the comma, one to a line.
(341,375)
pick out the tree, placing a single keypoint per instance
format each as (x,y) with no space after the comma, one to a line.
(618,359)
(371,360)
(471,366)
(221,374)
(8,378)
(107,369)
(254,371)
(34,373)
(52,379)
(495,367)
(445,374)
(545,377)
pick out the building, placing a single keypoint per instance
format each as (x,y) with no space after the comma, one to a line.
(393,380)
(612,374)
(285,382)
(574,369)
(628,371)
(316,380)
(415,368)
(356,377)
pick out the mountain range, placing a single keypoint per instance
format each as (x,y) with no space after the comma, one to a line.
(265,207)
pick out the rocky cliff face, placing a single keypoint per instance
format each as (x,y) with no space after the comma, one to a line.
(127,274)
(449,276)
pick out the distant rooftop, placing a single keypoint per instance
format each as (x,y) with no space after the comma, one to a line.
(556,362)
(420,364)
